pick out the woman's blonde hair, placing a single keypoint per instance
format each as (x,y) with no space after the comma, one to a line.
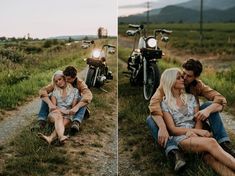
(167,82)
(68,88)
(57,73)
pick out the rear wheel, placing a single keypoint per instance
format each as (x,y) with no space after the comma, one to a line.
(152,81)
(90,77)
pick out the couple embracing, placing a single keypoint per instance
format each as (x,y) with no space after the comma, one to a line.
(65,103)
(177,121)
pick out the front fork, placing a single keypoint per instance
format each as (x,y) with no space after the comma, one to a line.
(96,73)
(144,70)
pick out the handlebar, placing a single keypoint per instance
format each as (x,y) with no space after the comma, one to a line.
(162,31)
(109,46)
(89,41)
(134,32)
(136,26)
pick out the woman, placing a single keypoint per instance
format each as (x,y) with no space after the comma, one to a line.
(178,112)
(64,96)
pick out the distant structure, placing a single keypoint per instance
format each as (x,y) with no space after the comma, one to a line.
(102,32)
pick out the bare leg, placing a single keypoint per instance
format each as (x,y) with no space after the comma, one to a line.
(58,119)
(67,122)
(48,139)
(218,166)
(203,144)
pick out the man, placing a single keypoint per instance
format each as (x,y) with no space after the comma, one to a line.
(79,110)
(209,112)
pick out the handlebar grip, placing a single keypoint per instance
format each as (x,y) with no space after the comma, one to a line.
(109,46)
(131,32)
(163,31)
(136,26)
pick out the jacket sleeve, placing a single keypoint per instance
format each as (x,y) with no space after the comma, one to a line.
(85,91)
(155,102)
(43,92)
(211,94)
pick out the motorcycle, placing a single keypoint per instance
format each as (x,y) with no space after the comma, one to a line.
(142,62)
(98,72)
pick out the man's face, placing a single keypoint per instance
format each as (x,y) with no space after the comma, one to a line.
(69,79)
(188,76)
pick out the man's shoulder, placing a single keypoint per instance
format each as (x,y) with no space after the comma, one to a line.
(199,83)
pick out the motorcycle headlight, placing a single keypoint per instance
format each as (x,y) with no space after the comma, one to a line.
(151,42)
(96,54)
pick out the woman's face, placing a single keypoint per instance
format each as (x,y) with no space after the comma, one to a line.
(59,81)
(179,83)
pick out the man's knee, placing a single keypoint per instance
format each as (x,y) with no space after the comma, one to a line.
(205,105)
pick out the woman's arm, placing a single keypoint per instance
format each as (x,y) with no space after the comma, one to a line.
(198,124)
(75,101)
(53,100)
(177,131)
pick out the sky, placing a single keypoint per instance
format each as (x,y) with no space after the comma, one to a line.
(50,18)
(128,7)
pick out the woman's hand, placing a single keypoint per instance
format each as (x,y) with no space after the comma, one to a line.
(64,111)
(203,133)
(190,133)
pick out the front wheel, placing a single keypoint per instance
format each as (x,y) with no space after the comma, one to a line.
(90,77)
(152,81)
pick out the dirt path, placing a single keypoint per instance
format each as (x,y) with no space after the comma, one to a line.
(18,119)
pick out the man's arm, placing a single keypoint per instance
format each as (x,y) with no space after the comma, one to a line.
(86,96)
(155,102)
(211,94)
(163,134)
(85,92)
(51,103)
(43,92)
(156,113)
(218,104)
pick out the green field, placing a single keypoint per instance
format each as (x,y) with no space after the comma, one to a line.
(218,38)
(26,66)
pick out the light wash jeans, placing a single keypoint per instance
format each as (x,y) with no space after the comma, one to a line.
(44,111)
(215,122)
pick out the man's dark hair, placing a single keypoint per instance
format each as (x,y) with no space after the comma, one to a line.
(70,71)
(193,65)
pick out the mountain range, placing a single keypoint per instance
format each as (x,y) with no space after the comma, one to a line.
(188,12)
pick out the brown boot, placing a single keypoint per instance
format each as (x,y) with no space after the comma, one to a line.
(75,127)
(178,159)
(228,148)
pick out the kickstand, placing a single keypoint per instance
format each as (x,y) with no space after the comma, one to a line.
(103,90)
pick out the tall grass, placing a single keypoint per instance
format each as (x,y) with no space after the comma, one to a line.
(18,81)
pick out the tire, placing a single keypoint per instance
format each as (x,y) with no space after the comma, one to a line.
(152,82)
(90,77)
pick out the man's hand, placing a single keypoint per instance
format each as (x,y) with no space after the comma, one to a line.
(73,110)
(163,136)
(202,115)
